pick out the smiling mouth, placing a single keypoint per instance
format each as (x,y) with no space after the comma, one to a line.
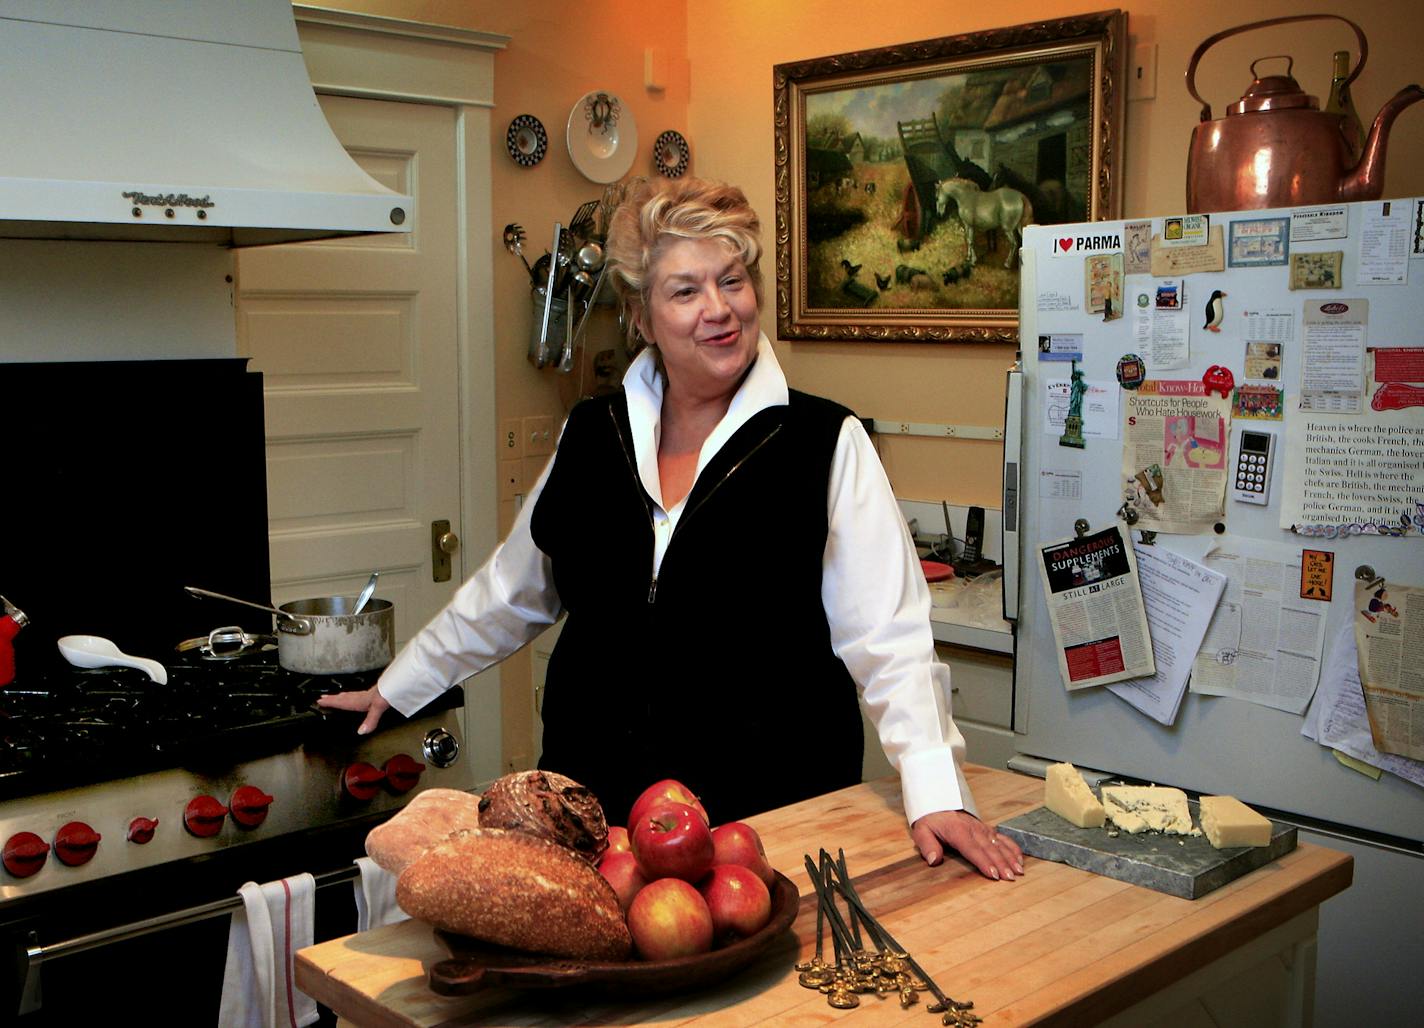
(723,339)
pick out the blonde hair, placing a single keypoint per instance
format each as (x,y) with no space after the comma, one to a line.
(656,212)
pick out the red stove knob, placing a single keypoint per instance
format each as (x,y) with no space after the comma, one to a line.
(75,844)
(402,772)
(361,781)
(141,829)
(249,805)
(25,853)
(203,816)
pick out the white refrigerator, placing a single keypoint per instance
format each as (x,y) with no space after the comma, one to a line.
(1257,293)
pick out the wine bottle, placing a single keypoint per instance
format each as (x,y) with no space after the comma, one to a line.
(1341,103)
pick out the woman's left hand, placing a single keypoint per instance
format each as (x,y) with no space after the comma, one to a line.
(996,856)
(369,702)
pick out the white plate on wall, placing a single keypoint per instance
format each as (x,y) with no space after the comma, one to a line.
(602,136)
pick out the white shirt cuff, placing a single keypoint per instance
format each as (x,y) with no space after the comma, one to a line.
(930,781)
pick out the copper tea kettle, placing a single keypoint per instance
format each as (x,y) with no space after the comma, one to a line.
(1276,148)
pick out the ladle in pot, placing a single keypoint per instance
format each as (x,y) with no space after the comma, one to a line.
(299,626)
(366,593)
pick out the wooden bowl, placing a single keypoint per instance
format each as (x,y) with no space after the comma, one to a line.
(474,965)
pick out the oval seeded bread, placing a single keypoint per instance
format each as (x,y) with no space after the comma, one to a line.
(430,817)
(519,891)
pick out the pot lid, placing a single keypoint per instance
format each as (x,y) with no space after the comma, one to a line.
(1274,92)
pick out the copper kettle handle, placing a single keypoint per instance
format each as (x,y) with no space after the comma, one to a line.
(1213,40)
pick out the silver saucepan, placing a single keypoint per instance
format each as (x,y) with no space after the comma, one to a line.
(322,636)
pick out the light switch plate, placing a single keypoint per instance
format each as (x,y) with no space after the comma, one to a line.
(539,436)
(511,439)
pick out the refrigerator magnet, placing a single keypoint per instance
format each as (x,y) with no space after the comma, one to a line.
(1131,372)
(1219,380)
(1317,574)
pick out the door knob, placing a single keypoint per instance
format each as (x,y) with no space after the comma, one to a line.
(443,542)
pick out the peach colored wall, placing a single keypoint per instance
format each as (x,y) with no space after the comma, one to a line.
(733,45)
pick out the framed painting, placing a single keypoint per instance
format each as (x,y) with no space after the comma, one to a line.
(905,175)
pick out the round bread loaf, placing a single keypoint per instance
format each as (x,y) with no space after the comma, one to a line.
(550,806)
(519,891)
(431,816)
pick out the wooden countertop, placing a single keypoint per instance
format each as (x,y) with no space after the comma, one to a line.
(1058,946)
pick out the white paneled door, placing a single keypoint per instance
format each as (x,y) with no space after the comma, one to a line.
(356,340)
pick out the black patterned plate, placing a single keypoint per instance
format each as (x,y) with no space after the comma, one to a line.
(526,140)
(671,154)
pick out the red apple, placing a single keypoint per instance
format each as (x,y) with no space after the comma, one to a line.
(667,789)
(618,840)
(737,843)
(672,841)
(669,919)
(621,870)
(738,900)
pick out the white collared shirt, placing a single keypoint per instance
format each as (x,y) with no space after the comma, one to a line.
(872,587)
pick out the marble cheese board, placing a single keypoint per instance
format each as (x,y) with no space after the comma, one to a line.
(1179,865)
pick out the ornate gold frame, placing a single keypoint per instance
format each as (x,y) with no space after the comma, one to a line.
(1101,36)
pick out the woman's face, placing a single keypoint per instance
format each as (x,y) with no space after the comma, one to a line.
(702,314)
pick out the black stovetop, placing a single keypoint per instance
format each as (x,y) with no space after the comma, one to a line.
(81,727)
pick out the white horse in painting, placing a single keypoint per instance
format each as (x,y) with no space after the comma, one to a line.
(1000,209)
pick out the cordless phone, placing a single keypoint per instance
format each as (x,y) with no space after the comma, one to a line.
(973,539)
(1253,467)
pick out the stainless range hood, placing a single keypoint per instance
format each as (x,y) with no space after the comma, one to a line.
(150,120)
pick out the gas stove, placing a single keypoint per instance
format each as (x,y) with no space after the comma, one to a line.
(104,772)
(77,727)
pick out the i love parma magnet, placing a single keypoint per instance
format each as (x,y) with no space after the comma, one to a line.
(1083,244)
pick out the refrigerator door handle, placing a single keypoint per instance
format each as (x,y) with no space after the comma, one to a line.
(1012,498)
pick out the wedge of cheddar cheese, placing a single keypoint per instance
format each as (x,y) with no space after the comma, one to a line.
(1067,795)
(1228,822)
(1141,808)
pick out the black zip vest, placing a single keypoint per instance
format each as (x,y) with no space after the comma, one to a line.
(719,672)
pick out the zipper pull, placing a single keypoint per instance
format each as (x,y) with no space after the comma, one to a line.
(653,590)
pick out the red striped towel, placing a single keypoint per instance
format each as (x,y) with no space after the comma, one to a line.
(258,989)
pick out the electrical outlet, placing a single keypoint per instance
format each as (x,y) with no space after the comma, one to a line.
(511,479)
(511,439)
(539,436)
(1142,72)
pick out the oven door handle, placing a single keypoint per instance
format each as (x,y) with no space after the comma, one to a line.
(32,954)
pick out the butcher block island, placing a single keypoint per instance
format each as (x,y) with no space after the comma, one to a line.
(1059,946)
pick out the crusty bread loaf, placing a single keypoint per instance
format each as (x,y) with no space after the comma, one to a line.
(430,817)
(550,806)
(519,891)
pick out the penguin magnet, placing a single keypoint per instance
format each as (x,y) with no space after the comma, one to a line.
(1215,311)
(1131,372)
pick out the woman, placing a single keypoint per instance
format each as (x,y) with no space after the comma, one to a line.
(731,561)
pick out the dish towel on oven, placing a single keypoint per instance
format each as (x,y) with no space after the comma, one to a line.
(275,921)
(375,896)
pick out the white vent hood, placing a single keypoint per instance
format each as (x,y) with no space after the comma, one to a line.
(177,122)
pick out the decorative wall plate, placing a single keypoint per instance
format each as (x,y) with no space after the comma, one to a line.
(526,140)
(671,154)
(602,137)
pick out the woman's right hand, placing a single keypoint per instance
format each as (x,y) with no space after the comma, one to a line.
(371,701)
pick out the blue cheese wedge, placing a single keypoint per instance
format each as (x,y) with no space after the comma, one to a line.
(1148,808)
(1067,795)
(1228,822)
